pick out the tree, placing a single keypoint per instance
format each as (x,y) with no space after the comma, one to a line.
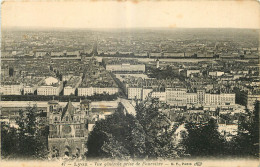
(158,130)
(119,136)
(123,136)
(103,96)
(246,143)
(8,141)
(115,149)
(203,140)
(138,140)
(25,141)
(95,142)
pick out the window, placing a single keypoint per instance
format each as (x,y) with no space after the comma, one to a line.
(67,118)
(51,108)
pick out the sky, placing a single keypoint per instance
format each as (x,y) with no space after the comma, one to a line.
(131,14)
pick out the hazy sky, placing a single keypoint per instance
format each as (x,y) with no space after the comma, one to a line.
(113,14)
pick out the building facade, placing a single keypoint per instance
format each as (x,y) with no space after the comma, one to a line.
(68,132)
(90,91)
(51,86)
(126,68)
(176,96)
(14,89)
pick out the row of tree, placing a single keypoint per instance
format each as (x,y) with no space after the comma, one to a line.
(149,134)
(65,98)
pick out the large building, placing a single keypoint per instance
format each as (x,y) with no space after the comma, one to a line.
(192,98)
(51,86)
(144,93)
(68,132)
(123,65)
(126,68)
(134,93)
(161,95)
(176,96)
(97,82)
(31,85)
(70,125)
(71,85)
(11,86)
(90,91)
(180,96)
(249,98)
(201,96)
(11,89)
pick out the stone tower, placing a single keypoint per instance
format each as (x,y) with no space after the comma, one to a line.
(67,133)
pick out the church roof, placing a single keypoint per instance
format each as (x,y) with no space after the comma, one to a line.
(68,108)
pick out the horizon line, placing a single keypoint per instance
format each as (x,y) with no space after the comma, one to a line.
(114,28)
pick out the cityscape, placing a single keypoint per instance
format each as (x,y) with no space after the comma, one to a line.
(129,93)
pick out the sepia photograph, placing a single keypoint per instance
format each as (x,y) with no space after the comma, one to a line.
(130,83)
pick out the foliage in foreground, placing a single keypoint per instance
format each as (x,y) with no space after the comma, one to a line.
(28,140)
(123,136)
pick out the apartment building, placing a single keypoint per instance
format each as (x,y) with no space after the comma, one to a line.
(228,98)
(212,99)
(160,95)
(71,85)
(134,93)
(192,98)
(11,89)
(11,86)
(220,99)
(176,96)
(31,85)
(249,98)
(90,91)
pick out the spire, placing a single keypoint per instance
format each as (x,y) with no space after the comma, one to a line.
(68,108)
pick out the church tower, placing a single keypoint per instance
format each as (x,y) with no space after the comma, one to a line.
(67,130)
